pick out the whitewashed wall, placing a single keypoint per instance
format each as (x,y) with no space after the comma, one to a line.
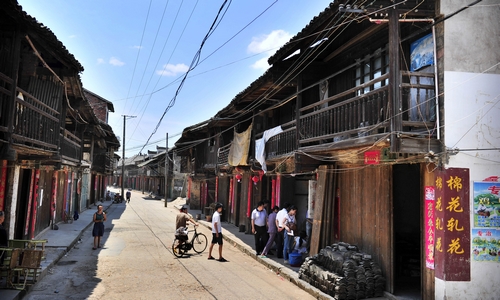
(472,118)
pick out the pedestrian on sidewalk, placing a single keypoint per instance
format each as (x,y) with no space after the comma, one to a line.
(98,230)
(128,194)
(290,226)
(281,228)
(259,219)
(216,233)
(272,230)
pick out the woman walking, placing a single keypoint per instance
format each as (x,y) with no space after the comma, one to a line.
(98,231)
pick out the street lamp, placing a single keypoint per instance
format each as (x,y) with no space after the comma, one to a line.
(123,154)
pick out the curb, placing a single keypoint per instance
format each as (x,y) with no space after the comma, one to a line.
(277,268)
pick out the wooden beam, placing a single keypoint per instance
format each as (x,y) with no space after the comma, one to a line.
(318,210)
(394,79)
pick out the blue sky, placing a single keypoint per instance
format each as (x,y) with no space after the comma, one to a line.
(135,53)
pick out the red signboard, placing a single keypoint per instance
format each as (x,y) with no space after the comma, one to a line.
(429,226)
(372,157)
(452,225)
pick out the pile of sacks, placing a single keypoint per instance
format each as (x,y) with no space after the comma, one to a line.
(343,272)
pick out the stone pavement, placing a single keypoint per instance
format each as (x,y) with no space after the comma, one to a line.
(62,240)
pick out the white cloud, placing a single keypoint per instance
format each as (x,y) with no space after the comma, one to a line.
(172,70)
(261,64)
(136,47)
(100,61)
(266,43)
(116,62)
(72,36)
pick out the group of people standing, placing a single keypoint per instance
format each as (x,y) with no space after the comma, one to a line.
(279,226)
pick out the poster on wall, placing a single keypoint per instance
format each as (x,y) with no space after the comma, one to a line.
(485,245)
(486,204)
(422,53)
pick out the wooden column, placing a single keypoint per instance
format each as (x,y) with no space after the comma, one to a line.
(394,79)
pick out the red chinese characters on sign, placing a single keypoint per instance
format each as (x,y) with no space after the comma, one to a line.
(452,225)
(429,226)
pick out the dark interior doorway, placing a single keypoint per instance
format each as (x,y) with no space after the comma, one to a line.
(22,203)
(407,236)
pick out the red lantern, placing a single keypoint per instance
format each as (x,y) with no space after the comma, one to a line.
(255,179)
(238,177)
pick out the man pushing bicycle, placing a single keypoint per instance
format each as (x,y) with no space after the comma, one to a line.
(180,224)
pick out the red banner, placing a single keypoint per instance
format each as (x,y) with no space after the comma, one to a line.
(452,225)
(429,226)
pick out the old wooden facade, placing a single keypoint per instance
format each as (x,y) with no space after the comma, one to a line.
(350,130)
(55,152)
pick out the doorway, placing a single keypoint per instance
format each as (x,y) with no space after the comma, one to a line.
(407,233)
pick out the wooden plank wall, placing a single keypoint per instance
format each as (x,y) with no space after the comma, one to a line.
(366,213)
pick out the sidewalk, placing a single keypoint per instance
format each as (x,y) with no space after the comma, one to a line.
(62,240)
(59,243)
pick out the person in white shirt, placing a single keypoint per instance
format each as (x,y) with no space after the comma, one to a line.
(279,224)
(290,225)
(259,222)
(216,233)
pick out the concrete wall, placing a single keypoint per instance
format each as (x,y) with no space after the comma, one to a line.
(472,118)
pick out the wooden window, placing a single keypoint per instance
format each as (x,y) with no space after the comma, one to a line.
(370,67)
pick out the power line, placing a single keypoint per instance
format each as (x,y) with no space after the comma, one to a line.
(193,65)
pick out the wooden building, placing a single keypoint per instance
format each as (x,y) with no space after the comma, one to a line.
(54,151)
(349,122)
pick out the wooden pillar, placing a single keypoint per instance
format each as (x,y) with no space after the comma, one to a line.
(394,79)
(318,211)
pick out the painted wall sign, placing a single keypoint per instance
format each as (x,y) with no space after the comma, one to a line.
(452,225)
(486,204)
(485,244)
(422,53)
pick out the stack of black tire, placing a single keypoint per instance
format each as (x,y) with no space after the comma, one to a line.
(343,272)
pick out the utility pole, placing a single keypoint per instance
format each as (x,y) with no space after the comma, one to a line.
(166,172)
(123,154)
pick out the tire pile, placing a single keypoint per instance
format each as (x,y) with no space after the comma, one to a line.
(344,273)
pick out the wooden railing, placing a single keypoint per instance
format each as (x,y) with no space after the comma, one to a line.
(5,95)
(419,103)
(355,113)
(348,114)
(222,155)
(35,124)
(71,146)
(282,143)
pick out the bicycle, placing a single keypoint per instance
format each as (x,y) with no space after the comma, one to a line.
(198,243)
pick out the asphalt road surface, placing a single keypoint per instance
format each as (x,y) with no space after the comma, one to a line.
(136,262)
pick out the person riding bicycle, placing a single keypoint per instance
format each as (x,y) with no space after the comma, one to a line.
(128,194)
(181,222)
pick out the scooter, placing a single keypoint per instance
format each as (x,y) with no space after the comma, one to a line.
(118,198)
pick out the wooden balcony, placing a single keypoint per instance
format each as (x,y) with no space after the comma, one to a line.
(222,154)
(283,143)
(35,125)
(361,112)
(71,148)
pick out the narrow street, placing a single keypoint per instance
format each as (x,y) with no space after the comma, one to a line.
(136,262)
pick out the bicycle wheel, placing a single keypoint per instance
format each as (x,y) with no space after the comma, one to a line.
(176,250)
(200,243)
